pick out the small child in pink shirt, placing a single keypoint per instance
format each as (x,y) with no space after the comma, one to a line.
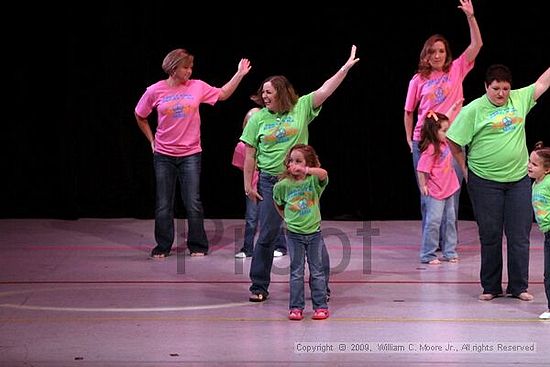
(438,182)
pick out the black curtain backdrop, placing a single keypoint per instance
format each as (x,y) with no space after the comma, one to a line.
(72,148)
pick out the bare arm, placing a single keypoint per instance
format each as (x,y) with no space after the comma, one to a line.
(422,182)
(318,171)
(542,83)
(458,154)
(329,86)
(475,34)
(409,116)
(230,87)
(453,108)
(280,209)
(146,129)
(248,173)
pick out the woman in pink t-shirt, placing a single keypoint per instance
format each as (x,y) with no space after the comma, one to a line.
(437,86)
(176,145)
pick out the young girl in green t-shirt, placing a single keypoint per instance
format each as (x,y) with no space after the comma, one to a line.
(539,169)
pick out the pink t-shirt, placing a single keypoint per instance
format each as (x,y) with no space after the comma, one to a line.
(442,181)
(178,132)
(238,161)
(438,93)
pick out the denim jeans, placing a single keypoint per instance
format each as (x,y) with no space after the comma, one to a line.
(439,214)
(250,222)
(456,195)
(547,266)
(187,171)
(250,225)
(270,223)
(300,247)
(281,242)
(502,207)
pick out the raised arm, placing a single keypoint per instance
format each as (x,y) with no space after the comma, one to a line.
(328,87)
(454,107)
(229,87)
(475,34)
(542,83)
(321,173)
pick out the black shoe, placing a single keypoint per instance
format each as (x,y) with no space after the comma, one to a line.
(257,297)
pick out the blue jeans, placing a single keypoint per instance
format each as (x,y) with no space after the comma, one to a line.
(456,195)
(311,246)
(547,266)
(250,224)
(439,214)
(502,207)
(268,237)
(187,171)
(271,222)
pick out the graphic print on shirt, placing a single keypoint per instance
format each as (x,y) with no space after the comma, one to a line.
(505,121)
(301,199)
(442,156)
(539,203)
(439,90)
(279,131)
(174,107)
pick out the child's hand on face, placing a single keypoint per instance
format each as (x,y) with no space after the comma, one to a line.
(298,170)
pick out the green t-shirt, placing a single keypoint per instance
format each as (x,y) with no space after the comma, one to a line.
(301,203)
(541,203)
(273,134)
(495,136)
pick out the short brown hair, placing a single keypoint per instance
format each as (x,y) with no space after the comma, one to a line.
(174,59)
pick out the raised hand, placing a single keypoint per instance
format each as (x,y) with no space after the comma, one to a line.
(467,7)
(244,67)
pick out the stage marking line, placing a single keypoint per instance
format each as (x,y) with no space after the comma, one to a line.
(206,307)
(137,309)
(214,281)
(534,319)
(108,309)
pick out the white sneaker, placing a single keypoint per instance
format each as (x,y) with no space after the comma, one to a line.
(240,255)
(545,315)
(277,253)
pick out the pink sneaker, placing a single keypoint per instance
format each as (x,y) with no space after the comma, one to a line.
(295,314)
(320,314)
